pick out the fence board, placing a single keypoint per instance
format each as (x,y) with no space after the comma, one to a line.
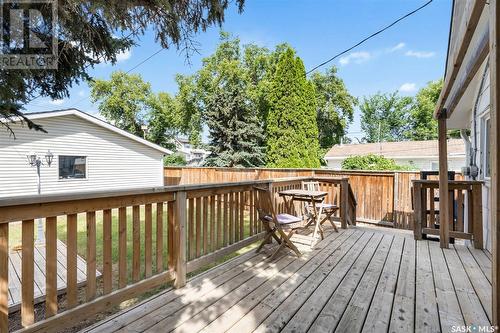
(382,196)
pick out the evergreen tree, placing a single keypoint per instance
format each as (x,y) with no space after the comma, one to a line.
(234,131)
(94,26)
(292,130)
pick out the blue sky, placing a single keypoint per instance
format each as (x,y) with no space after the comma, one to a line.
(402,58)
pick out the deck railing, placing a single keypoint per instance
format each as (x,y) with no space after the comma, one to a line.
(465,210)
(150,237)
(384,197)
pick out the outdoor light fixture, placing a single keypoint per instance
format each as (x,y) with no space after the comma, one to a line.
(49,157)
(35,160)
(32,158)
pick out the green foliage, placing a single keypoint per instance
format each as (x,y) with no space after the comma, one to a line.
(164,120)
(189,104)
(239,87)
(234,131)
(175,159)
(94,25)
(124,100)
(423,126)
(128,102)
(371,162)
(292,131)
(385,117)
(334,105)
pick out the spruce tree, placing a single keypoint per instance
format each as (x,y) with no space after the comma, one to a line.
(234,131)
(292,130)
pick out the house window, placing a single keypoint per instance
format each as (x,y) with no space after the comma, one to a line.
(72,167)
(486,149)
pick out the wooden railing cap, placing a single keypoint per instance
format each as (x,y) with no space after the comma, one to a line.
(453,182)
(57,197)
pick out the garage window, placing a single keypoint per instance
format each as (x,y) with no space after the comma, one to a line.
(72,167)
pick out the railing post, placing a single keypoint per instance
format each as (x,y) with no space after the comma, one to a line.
(444,216)
(354,205)
(4,277)
(180,239)
(417,197)
(476,214)
(27,273)
(344,202)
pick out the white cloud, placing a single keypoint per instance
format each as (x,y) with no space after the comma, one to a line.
(397,47)
(124,55)
(408,87)
(356,57)
(420,54)
(57,101)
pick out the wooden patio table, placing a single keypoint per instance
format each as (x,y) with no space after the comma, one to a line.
(313,197)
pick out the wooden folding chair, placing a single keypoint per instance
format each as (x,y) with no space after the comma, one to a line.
(278,226)
(326,208)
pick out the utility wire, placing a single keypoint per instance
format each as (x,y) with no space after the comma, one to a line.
(371,36)
(130,70)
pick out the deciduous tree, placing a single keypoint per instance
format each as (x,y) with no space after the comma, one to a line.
(334,105)
(124,100)
(385,117)
(423,126)
(164,120)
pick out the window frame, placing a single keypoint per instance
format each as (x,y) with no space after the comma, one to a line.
(485,144)
(73,179)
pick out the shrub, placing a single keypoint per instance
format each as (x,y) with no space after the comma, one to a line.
(371,162)
(175,159)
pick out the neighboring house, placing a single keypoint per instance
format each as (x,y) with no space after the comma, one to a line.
(194,156)
(89,154)
(420,155)
(465,98)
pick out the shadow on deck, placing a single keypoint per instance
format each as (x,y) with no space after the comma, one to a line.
(360,279)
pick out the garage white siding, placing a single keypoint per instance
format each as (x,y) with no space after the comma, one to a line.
(114,161)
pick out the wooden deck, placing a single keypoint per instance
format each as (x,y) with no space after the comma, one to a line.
(15,259)
(361,279)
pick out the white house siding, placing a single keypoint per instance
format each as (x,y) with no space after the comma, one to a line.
(113,160)
(483,112)
(454,163)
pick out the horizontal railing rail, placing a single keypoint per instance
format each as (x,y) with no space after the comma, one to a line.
(383,197)
(465,210)
(138,240)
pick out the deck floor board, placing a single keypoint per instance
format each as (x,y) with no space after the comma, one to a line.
(39,274)
(360,279)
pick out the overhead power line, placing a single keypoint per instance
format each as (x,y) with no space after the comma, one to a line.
(130,70)
(369,37)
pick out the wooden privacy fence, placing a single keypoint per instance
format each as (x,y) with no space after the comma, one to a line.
(383,197)
(195,224)
(465,210)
